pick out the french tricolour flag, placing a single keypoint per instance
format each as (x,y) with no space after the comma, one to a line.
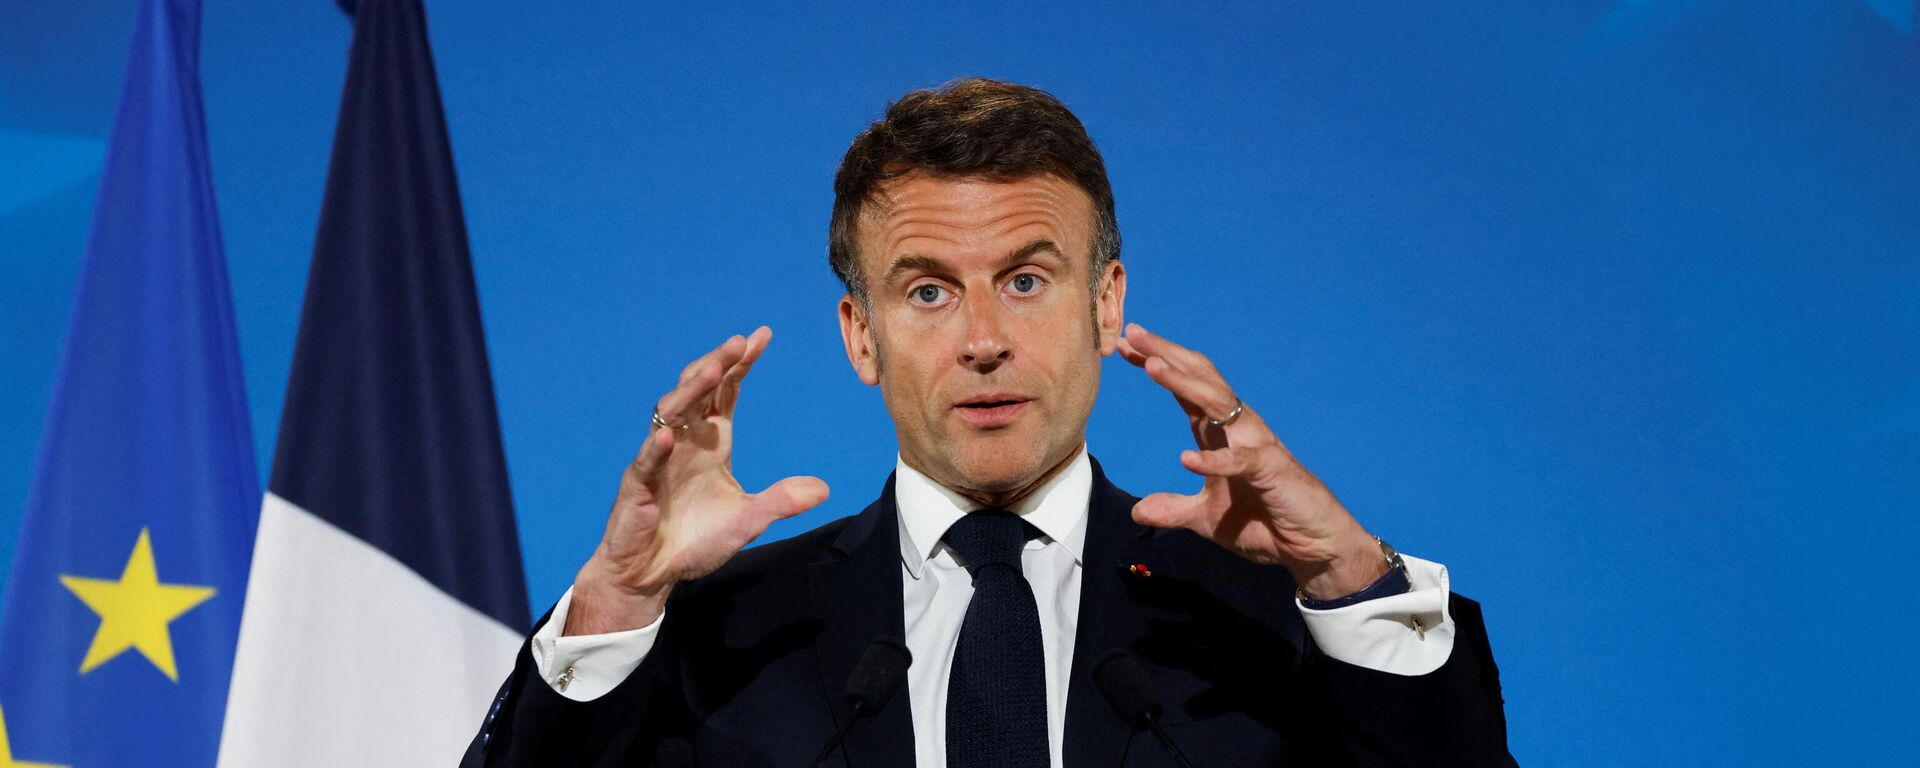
(386,599)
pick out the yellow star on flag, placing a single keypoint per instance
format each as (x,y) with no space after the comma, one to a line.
(135,610)
(6,751)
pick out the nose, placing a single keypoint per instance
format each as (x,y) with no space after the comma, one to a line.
(986,345)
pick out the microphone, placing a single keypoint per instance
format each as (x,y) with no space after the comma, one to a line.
(871,684)
(1122,679)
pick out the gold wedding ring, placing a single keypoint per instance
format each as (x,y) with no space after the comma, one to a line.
(662,423)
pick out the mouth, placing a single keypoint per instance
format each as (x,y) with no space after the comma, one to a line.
(991,410)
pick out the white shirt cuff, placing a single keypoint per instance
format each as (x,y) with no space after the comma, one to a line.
(1405,634)
(585,667)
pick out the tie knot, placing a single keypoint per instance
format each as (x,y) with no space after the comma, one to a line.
(990,537)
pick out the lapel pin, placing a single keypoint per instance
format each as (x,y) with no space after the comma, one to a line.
(1139,569)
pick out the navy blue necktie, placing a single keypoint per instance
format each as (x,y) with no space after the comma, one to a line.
(997,691)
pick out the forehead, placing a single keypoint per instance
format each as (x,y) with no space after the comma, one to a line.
(934,215)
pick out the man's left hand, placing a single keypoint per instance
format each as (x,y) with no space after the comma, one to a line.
(1257,500)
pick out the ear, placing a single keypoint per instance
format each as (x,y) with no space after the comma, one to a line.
(1110,306)
(856,331)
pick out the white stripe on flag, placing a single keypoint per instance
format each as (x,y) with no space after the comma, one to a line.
(348,657)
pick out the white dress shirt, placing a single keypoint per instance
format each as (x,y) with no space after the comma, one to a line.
(1378,634)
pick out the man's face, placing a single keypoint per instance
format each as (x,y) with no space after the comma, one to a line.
(982,334)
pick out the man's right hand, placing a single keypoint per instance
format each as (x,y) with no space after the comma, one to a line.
(680,514)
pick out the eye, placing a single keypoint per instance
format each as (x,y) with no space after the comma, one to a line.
(928,294)
(1027,283)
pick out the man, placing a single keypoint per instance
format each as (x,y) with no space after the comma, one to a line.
(973,227)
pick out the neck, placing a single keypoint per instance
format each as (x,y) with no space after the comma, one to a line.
(1007,498)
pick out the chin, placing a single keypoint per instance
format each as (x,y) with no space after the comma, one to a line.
(999,466)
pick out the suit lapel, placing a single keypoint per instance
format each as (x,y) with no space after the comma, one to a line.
(1095,736)
(857,592)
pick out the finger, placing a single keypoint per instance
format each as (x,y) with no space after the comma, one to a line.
(653,455)
(1154,345)
(1130,353)
(1223,462)
(1206,393)
(1173,511)
(690,399)
(726,355)
(728,394)
(787,498)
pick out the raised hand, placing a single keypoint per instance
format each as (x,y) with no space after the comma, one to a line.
(1257,500)
(680,514)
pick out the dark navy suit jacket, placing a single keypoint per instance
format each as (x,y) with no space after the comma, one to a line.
(750,665)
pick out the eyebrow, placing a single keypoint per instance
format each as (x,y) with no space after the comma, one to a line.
(912,262)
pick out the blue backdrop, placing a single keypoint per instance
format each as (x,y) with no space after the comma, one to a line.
(1612,307)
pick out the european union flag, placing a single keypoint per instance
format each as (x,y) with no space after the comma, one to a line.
(124,600)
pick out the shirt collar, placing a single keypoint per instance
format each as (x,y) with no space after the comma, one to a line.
(927,509)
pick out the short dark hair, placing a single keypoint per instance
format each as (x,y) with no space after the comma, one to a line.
(972,127)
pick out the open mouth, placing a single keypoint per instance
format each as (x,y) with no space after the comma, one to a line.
(991,411)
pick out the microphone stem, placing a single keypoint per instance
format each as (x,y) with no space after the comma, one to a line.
(1179,758)
(839,736)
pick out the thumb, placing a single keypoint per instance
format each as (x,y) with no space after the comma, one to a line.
(1167,510)
(788,497)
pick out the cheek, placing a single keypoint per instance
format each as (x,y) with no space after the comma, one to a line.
(1071,341)
(1080,367)
(905,368)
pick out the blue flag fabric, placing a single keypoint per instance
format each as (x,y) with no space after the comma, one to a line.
(123,602)
(386,600)
(390,430)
